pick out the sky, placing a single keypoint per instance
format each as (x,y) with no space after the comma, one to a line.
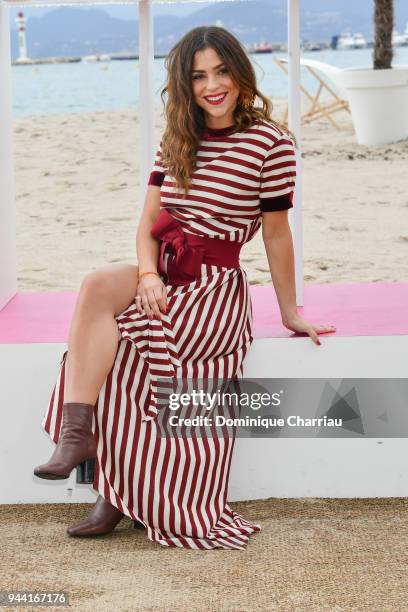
(121,12)
(127,11)
(179,10)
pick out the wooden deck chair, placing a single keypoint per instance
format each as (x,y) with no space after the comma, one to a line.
(318,107)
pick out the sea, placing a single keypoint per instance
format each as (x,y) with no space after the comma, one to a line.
(47,89)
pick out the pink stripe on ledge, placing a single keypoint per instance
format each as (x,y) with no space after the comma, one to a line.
(37,317)
(355,309)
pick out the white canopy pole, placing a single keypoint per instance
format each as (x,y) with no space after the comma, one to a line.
(295,127)
(146,94)
(8,273)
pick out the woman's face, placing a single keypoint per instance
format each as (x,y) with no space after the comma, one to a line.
(213,89)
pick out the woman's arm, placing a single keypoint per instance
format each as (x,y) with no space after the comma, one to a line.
(147,247)
(277,238)
(151,288)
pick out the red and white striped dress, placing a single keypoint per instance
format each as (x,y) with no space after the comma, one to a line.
(178,486)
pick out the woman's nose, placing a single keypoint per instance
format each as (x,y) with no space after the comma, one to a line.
(212,83)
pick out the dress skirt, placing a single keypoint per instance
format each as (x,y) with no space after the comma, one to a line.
(177,486)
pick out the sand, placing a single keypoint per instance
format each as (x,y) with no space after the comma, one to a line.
(77,200)
(313,555)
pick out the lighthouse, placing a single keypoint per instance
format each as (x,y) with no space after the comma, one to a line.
(22,43)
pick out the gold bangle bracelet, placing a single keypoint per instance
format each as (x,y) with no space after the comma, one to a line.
(143,274)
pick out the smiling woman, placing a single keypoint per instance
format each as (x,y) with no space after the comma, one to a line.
(224,168)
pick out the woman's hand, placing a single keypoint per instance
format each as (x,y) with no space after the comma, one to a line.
(151,296)
(296,323)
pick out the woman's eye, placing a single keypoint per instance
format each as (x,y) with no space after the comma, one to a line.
(200,76)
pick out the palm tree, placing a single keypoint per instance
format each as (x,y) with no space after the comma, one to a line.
(383,24)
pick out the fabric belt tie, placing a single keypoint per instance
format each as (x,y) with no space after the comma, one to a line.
(192,250)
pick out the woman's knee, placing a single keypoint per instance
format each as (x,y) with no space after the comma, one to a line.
(102,288)
(95,290)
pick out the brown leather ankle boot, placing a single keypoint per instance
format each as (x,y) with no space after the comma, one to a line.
(75,444)
(102,520)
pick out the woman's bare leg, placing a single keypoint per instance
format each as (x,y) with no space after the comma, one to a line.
(93,336)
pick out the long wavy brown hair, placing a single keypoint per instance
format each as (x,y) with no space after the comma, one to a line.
(184,118)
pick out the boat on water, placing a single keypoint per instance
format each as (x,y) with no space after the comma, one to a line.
(262,47)
(400,40)
(351,41)
(313,46)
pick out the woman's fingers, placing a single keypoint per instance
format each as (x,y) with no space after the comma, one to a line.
(313,334)
(153,302)
(152,308)
(323,329)
(161,301)
(319,329)
(142,304)
(146,305)
(146,297)
(138,302)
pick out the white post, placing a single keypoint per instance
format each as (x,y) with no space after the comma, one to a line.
(8,273)
(146,94)
(295,125)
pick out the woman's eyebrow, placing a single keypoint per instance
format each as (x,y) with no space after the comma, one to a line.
(215,68)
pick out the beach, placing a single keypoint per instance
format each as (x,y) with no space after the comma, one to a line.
(77,201)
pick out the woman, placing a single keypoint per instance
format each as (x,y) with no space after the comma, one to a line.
(223,169)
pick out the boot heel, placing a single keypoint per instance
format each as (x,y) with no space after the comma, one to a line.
(85,472)
(138,525)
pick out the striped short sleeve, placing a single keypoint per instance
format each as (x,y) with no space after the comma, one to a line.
(158,173)
(278,176)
